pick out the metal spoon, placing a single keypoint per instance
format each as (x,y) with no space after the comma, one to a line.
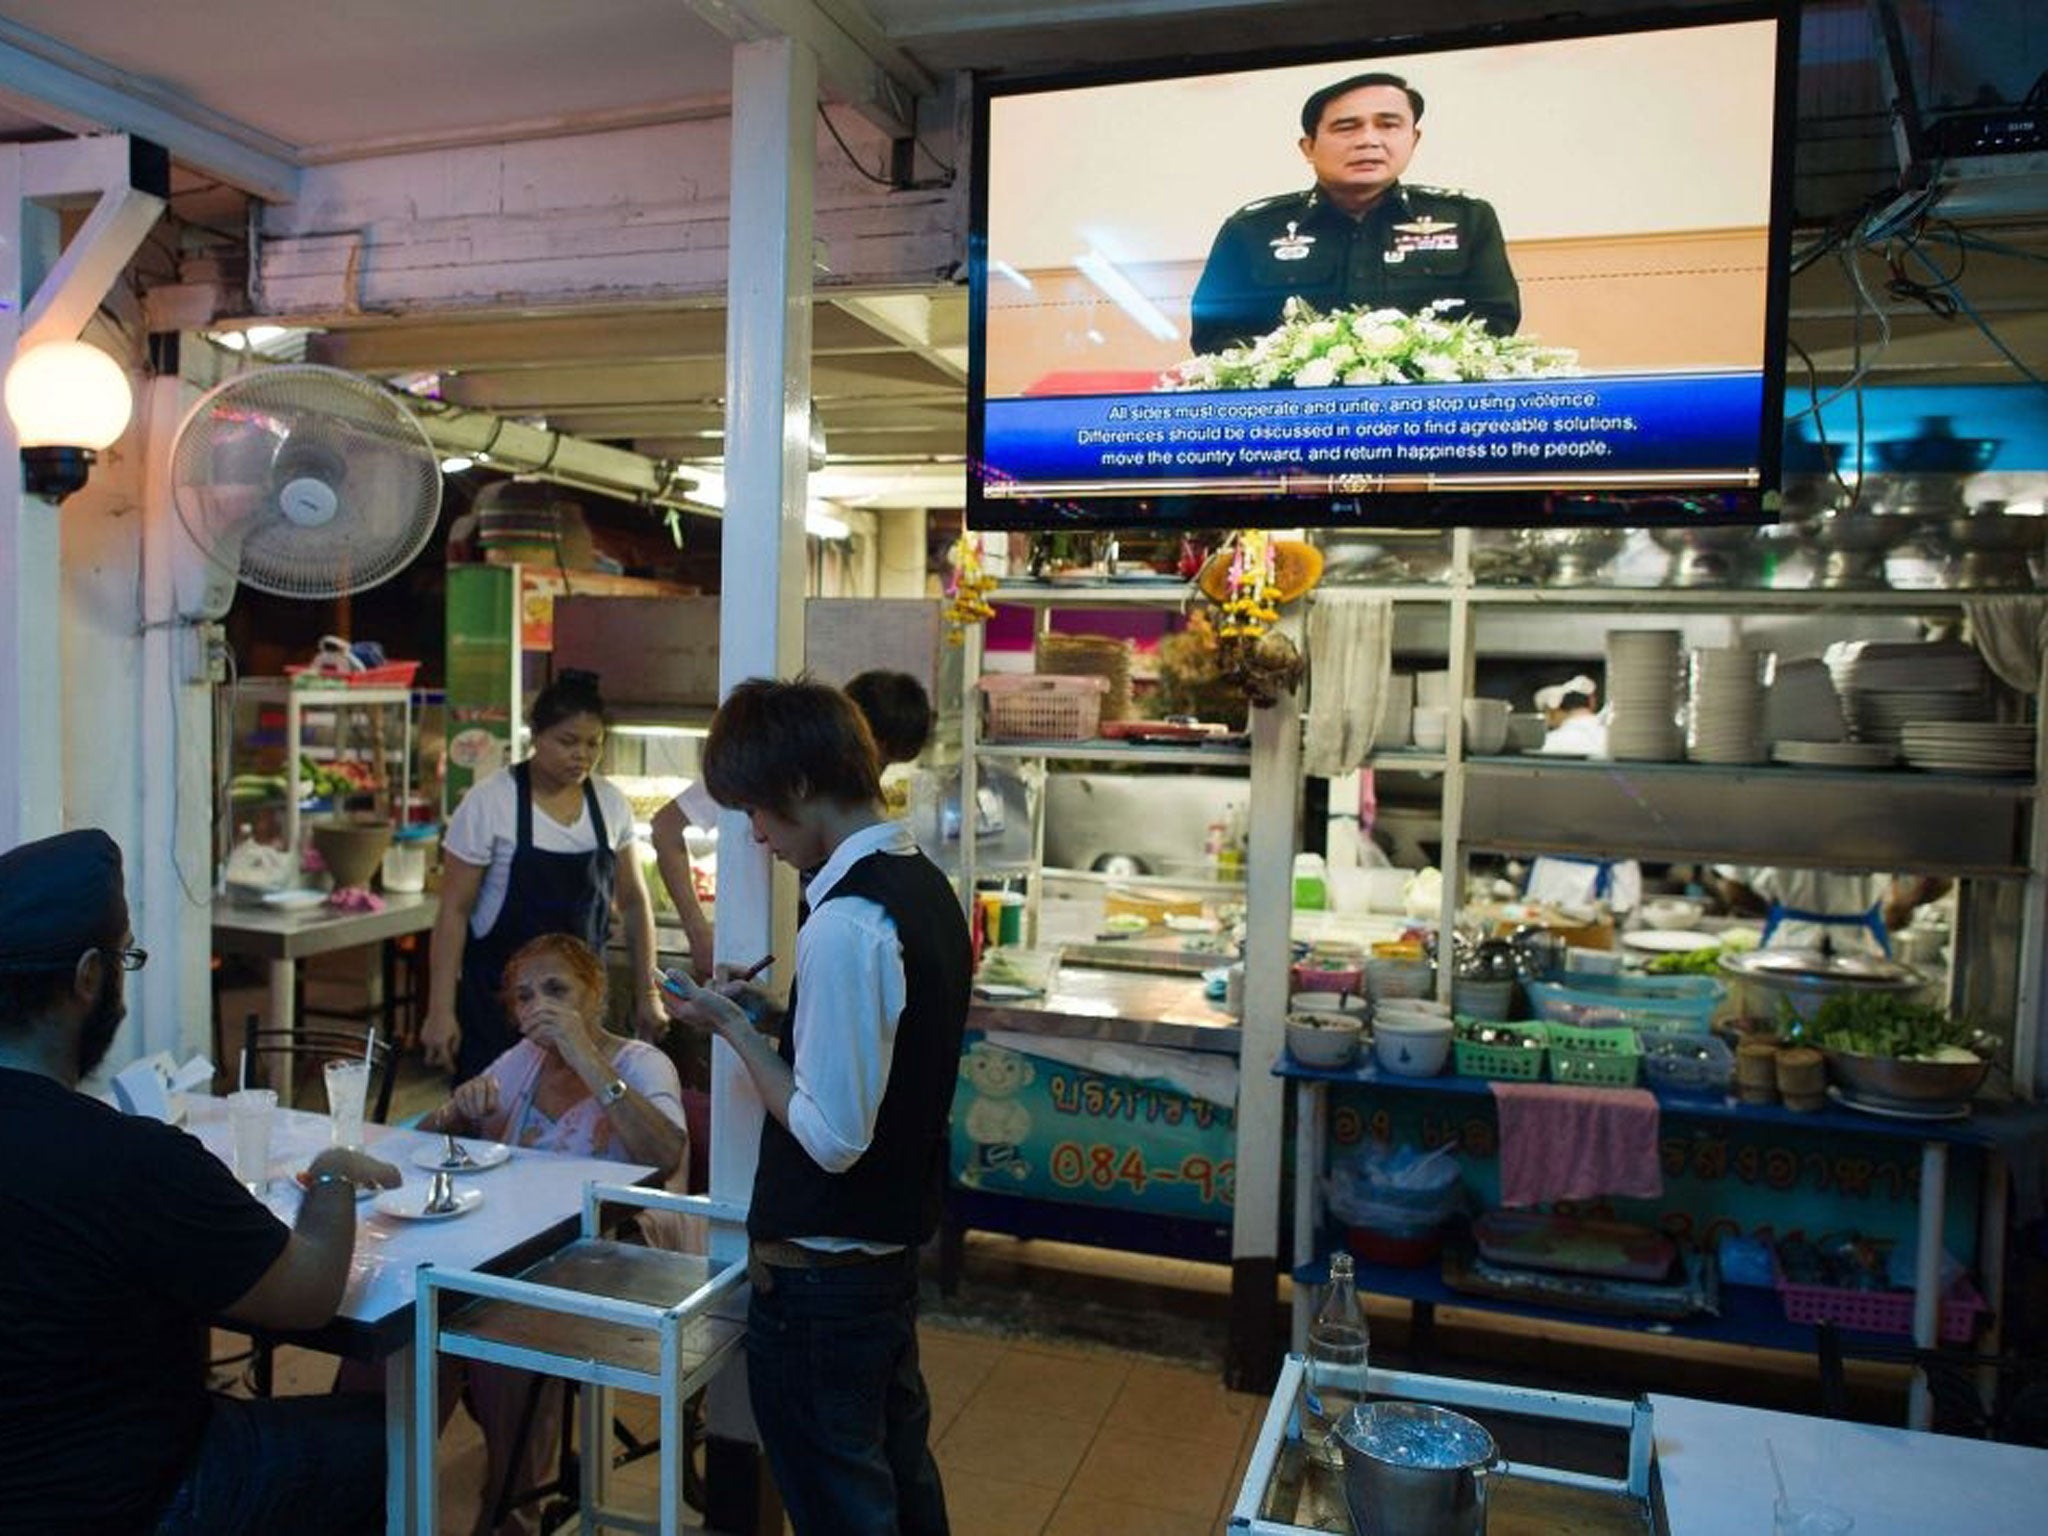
(441,1195)
(456,1155)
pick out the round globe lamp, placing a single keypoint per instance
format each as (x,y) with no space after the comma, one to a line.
(67,400)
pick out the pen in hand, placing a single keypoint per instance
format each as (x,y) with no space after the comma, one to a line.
(756,968)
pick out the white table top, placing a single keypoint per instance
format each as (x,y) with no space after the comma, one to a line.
(1895,1482)
(272,933)
(525,1198)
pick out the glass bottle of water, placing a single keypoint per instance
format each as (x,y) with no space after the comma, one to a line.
(1337,1344)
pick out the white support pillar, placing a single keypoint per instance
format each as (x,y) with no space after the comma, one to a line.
(49,289)
(767,452)
(760,619)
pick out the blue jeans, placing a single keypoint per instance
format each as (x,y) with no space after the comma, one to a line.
(840,1402)
(313,1466)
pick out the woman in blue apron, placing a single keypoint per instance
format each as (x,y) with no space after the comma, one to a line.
(544,847)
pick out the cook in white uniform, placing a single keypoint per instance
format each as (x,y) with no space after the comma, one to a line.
(1833,910)
(1579,884)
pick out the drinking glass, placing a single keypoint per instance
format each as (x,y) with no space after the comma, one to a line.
(249,1116)
(348,1085)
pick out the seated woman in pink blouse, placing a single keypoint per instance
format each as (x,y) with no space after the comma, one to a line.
(569,1085)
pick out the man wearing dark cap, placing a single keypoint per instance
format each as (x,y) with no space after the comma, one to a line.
(1360,236)
(121,1238)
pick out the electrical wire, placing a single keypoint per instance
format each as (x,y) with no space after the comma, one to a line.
(1963,303)
(846,150)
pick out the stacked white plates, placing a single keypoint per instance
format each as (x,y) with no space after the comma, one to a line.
(1969,747)
(1802,705)
(1643,693)
(1947,665)
(1882,714)
(1835,754)
(1725,706)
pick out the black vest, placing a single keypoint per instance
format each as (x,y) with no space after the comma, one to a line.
(894,1193)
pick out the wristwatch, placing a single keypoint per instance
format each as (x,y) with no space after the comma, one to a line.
(612,1092)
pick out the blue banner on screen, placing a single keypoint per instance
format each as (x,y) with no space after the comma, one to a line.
(1696,429)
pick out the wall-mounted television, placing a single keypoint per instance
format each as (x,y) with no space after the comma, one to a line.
(1524,277)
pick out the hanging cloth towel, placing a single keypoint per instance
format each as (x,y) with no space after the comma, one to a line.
(2011,633)
(1563,1143)
(1350,657)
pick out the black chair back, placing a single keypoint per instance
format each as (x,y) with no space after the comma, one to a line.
(307,1046)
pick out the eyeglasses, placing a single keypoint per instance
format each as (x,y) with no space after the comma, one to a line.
(133,959)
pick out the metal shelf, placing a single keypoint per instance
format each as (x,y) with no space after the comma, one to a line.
(1103,751)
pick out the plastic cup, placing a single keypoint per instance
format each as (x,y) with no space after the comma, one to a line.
(250,1112)
(348,1086)
(1809,1517)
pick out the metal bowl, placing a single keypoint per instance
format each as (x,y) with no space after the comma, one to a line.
(1915,1082)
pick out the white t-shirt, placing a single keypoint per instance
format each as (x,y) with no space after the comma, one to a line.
(485,828)
(1577,736)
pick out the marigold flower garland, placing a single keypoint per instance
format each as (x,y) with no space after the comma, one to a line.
(967,588)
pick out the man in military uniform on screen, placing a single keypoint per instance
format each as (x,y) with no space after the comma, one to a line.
(1360,236)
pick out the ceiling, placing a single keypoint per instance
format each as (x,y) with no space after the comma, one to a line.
(300,83)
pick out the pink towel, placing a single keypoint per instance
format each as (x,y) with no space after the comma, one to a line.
(1562,1143)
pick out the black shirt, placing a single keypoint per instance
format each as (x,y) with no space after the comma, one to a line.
(120,1237)
(1415,245)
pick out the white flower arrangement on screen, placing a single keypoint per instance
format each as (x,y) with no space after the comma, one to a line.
(1373,346)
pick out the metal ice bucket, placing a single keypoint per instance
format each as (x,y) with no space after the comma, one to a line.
(1414,1470)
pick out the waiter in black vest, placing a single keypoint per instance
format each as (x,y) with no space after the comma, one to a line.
(853,1151)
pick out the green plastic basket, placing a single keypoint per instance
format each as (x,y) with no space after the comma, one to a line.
(1506,1063)
(1594,1058)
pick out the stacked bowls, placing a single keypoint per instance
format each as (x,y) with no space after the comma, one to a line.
(1643,692)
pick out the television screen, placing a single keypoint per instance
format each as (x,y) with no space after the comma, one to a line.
(1511,279)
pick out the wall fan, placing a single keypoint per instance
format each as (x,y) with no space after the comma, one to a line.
(301,481)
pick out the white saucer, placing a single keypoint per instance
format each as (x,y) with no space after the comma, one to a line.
(1895,1110)
(409,1204)
(294,901)
(482,1154)
(1670,941)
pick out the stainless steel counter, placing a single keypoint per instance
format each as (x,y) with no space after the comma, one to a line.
(1127,1007)
(283,938)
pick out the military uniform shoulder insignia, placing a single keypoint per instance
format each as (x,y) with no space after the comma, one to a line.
(1289,202)
(1452,192)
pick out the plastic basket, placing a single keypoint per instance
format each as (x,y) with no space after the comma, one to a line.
(1504,1063)
(1688,1064)
(1684,1004)
(1593,1058)
(1880,1311)
(392,674)
(1043,706)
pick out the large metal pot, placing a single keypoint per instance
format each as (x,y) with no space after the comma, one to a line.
(1411,1469)
(1800,980)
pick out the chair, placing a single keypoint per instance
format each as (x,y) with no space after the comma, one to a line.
(2000,1397)
(603,1313)
(310,1044)
(298,1048)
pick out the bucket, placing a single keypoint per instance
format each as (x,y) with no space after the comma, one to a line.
(1411,1469)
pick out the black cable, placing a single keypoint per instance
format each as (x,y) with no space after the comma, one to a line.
(851,159)
(931,155)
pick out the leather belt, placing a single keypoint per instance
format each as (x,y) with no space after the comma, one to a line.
(766,1254)
(786,1255)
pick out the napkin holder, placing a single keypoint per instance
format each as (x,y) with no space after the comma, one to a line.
(145,1087)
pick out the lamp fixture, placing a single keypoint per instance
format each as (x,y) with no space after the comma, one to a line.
(68,400)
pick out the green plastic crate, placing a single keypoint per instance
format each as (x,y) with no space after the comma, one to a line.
(1504,1063)
(1594,1058)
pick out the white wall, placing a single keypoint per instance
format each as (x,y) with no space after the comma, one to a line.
(1651,133)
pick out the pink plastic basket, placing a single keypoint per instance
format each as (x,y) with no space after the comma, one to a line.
(1043,706)
(1880,1311)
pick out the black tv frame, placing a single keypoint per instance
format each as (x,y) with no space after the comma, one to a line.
(1517,507)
